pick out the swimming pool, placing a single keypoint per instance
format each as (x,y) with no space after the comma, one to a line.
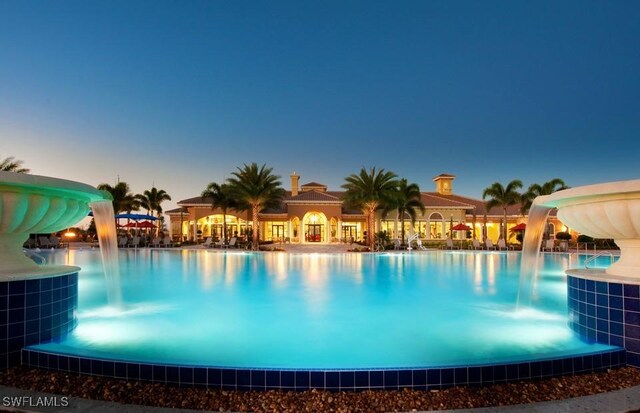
(306,312)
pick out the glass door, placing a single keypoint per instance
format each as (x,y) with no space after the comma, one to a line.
(349,233)
(314,232)
(277,232)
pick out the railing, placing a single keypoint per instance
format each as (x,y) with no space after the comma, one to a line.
(410,239)
(35,257)
(593,258)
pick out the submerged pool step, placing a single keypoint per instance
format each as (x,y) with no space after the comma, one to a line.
(343,380)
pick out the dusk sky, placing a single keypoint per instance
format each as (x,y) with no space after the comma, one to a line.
(180,93)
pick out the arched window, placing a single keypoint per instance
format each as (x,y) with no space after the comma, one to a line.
(436,226)
(314,227)
(551,230)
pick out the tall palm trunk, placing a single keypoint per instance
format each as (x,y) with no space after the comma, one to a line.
(402,226)
(371,236)
(395,225)
(254,210)
(504,225)
(224,223)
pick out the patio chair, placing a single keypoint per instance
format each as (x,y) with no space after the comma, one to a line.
(44,242)
(30,243)
(419,244)
(135,242)
(219,243)
(549,245)
(123,241)
(449,245)
(54,241)
(489,244)
(502,245)
(396,244)
(475,244)
(207,243)
(166,241)
(232,243)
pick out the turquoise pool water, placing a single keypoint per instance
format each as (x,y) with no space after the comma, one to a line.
(309,311)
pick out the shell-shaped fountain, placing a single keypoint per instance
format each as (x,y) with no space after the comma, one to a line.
(31,204)
(609,210)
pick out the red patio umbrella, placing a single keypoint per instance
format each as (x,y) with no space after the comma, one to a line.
(461,227)
(520,227)
(143,224)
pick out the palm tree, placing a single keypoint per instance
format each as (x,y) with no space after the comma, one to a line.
(123,199)
(10,164)
(221,197)
(257,188)
(406,200)
(503,197)
(152,200)
(535,190)
(369,191)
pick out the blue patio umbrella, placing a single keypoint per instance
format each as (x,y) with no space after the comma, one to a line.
(135,217)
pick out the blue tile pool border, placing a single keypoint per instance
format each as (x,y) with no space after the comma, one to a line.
(35,310)
(606,312)
(333,380)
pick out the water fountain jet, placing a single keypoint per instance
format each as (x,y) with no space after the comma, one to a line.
(31,204)
(603,304)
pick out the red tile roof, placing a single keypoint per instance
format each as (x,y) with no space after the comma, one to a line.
(443,176)
(313,196)
(314,184)
(430,199)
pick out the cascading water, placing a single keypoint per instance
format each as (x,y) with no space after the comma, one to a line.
(106,229)
(531,252)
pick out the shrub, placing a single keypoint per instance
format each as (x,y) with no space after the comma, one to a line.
(563,236)
(584,238)
(608,244)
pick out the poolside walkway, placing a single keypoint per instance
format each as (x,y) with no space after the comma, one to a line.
(613,402)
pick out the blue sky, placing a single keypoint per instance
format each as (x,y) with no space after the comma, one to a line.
(178,94)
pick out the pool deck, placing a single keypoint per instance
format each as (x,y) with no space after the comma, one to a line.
(624,400)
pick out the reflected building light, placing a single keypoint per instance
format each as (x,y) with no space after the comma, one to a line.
(477,272)
(491,272)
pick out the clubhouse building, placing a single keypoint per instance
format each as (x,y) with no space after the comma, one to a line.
(310,213)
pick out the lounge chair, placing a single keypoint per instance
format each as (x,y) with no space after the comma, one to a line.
(549,245)
(232,243)
(489,244)
(503,245)
(396,244)
(475,244)
(219,243)
(207,243)
(30,243)
(44,242)
(135,242)
(122,242)
(449,245)
(419,244)
(54,241)
(166,241)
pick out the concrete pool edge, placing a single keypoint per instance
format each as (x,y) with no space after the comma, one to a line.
(333,380)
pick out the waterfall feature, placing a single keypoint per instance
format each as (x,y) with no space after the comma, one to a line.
(531,252)
(106,228)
